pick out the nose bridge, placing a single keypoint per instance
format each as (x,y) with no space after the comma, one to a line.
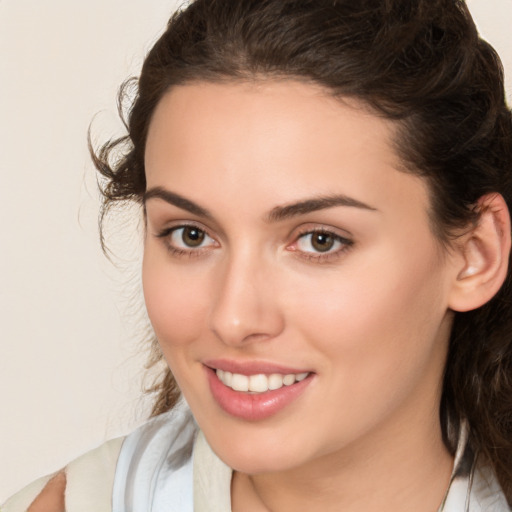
(244,307)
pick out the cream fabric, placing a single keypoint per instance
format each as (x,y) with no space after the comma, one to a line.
(148,452)
(22,500)
(212,479)
(91,478)
(89,481)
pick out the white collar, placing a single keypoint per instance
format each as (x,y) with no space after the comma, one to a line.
(167,464)
(472,488)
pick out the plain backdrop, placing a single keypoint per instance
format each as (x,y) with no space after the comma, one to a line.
(71,363)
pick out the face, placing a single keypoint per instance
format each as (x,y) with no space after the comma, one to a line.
(290,273)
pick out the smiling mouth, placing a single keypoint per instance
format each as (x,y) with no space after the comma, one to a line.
(257,393)
(258,383)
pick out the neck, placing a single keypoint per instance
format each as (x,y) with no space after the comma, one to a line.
(412,472)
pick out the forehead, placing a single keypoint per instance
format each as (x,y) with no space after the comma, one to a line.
(273,141)
(271,112)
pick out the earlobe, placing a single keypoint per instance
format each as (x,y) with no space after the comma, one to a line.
(485,253)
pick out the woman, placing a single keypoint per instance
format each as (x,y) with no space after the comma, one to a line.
(326,190)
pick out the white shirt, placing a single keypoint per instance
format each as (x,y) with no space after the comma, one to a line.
(167,465)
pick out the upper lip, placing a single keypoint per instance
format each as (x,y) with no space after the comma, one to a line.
(251,367)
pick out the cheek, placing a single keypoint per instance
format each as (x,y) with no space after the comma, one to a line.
(176,301)
(364,307)
(380,325)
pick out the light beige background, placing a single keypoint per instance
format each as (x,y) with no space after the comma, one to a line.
(70,365)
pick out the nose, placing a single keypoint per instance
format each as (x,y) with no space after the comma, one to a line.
(245,308)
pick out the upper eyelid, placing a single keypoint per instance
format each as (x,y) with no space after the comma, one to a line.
(342,239)
(324,232)
(170,222)
(174,225)
(345,238)
(292,236)
(321,228)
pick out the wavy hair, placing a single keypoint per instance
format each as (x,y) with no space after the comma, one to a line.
(421,63)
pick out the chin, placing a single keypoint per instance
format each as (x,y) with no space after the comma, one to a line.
(264,452)
(258,463)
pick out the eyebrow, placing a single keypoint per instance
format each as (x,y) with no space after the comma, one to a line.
(278,213)
(176,200)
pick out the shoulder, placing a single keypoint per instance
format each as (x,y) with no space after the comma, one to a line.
(90,478)
(100,476)
(51,498)
(87,479)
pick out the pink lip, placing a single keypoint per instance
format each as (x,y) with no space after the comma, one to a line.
(257,406)
(251,367)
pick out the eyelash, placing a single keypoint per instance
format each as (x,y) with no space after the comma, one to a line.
(166,235)
(316,256)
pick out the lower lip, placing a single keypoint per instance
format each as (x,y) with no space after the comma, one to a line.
(254,406)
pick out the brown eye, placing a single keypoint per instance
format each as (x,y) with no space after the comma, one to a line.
(192,236)
(322,242)
(188,238)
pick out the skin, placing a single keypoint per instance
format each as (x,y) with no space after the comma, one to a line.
(51,498)
(370,318)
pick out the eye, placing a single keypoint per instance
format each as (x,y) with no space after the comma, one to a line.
(186,239)
(189,237)
(318,241)
(320,244)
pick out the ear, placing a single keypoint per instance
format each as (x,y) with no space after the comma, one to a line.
(484,252)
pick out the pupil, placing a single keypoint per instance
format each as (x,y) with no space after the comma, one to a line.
(322,242)
(193,237)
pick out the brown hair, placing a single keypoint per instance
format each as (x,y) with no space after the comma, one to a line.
(420,62)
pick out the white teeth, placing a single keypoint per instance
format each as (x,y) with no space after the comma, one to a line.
(228,378)
(240,382)
(259,383)
(288,380)
(275,381)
